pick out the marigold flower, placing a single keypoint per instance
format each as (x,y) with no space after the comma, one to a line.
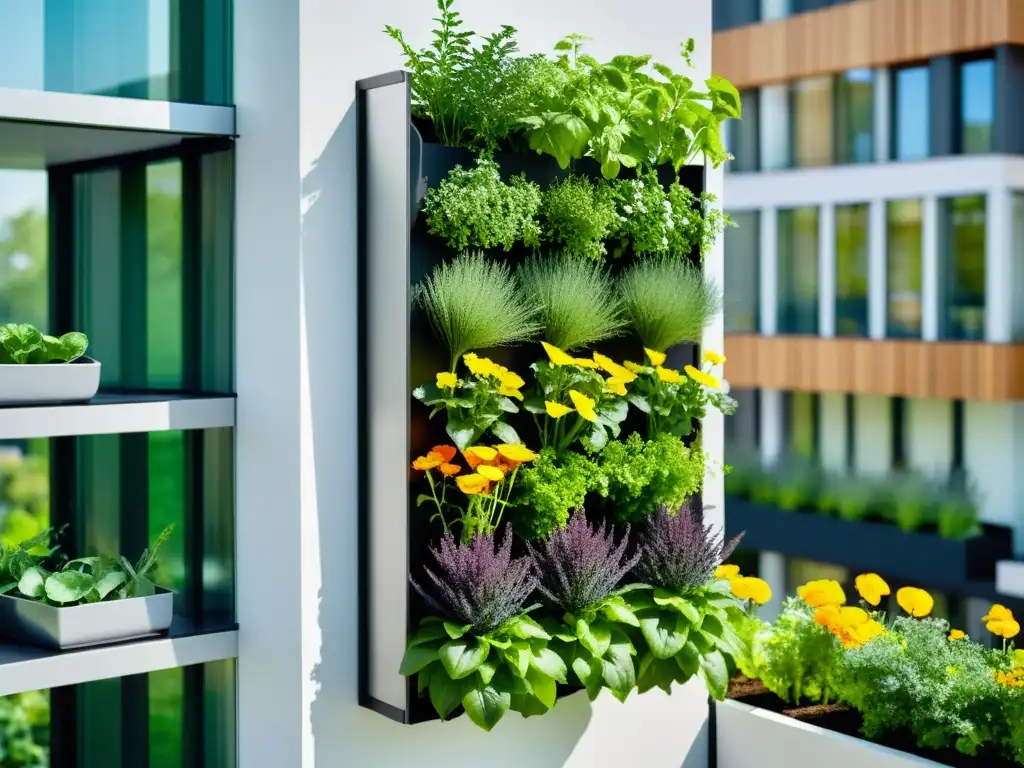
(822,592)
(656,358)
(616,386)
(633,367)
(709,381)
(727,571)
(557,356)
(751,588)
(871,587)
(516,453)
(447,452)
(1004,628)
(612,368)
(556,410)
(584,405)
(430,461)
(493,474)
(997,613)
(668,375)
(914,601)
(447,380)
(710,356)
(957,634)
(473,485)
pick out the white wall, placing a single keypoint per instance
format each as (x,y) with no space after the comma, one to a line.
(832,438)
(993,452)
(872,423)
(928,436)
(296,66)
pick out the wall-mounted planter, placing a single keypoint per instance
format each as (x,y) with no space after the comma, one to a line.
(396,167)
(746,736)
(925,559)
(49,383)
(79,626)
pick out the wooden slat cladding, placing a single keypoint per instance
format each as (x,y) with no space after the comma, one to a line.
(868,33)
(955,370)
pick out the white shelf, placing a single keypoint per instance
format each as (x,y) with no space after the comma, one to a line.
(109,414)
(1010,578)
(32,669)
(44,128)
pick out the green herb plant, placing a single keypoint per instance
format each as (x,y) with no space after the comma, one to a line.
(638,476)
(475,209)
(578,215)
(25,344)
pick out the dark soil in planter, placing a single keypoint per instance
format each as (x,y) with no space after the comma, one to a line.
(843,719)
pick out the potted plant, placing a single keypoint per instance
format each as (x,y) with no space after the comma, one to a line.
(36,368)
(81,602)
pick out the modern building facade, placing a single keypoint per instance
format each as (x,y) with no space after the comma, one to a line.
(178,181)
(874,318)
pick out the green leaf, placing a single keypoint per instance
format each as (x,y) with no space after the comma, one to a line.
(712,626)
(544,687)
(618,611)
(507,405)
(416,658)
(464,656)
(428,394)
(534,404)
(518,657)
(656,673)
(526,628)
(688,660)
(446,694)
(614,411)
(681,604)
(617,669)
(715,673)
(423,678)
(639,402)
(32,583)
(454,630)
(596,637)
(505,433)
(110,581)
(486,672)
(585,667)
(461,433)
(560,134)
(68,586)
(485,705)
(665,634)
(72,347)
(550,663)
(424,499)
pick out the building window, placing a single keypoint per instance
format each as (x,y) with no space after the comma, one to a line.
(852,270)
(911,114)
(797,269)
(962,268)
(812,122)
(977,105)
(904,252)
(742,273)
(801,413)
(855,116)
(741,136)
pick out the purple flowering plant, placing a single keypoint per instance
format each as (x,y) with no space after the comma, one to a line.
(686,615)
(581,567)
(481,649)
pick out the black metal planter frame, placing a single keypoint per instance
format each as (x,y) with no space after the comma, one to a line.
(396,352)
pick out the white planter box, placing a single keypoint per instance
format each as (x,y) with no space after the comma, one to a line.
(1010,578)
(748,737)
(49,383)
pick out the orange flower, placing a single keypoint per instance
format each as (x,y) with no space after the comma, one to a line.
(473,485)
(493,474)
(957,634)
(447,452)
(479,454)
(450,469)
(430,461)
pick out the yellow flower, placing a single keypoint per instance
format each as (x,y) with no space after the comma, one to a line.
(1012,679)
(633,367)
(557,356)
(616,386)
(957,634)
(871,587)
(613,369)
(668,375)
(516,453)
(508,392)
(827,615)
(511,380)
(856,635)
(914,601)
(490,473)
(656,358)
(1004,628)
(727,571)
(1018,658)
(584,405)
(473,485)
(556,410)
(709,381)
(822,592)
(713,357)
(431,460)
(997,613)
(447,381)
(482,366)
(584,362)
(851,615)
(479,454)
(751,588)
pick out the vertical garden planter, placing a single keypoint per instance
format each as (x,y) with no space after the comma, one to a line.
(396,167)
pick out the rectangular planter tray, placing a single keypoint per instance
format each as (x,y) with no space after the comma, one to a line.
(924,559)
(81,626)
(49,383)
(746,737)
